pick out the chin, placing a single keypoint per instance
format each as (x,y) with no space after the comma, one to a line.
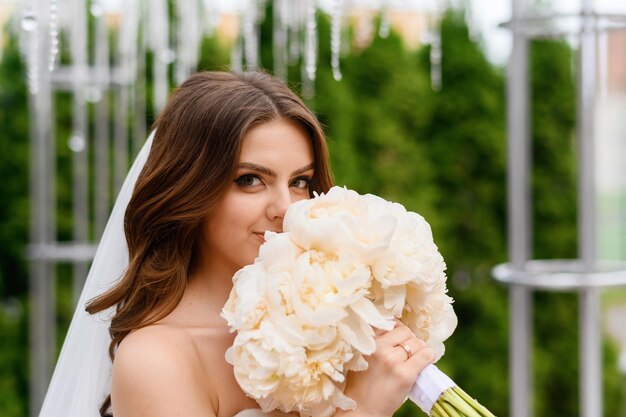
(249,259)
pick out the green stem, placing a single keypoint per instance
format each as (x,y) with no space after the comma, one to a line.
(481,408)
(452,410)
(438,411)
(458,402)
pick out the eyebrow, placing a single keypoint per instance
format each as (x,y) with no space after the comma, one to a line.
(266,171)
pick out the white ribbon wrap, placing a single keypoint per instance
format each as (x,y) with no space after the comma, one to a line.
(428,387)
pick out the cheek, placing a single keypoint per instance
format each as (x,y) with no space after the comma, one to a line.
(233,216)
(300,196)
(215,229)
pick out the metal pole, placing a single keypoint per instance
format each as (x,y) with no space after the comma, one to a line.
(589,311)
(159,27)
(279,43)
(139,92)
(126,60)
(42,323)
(102,71)
(137,88)
(79,141)
(520,298)
(121,137)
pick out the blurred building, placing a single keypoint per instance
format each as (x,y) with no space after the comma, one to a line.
(6,8)
(616,53)
(610,134)
(228,27)
(411,25)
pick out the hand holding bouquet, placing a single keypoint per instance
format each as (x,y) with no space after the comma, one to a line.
(305,310)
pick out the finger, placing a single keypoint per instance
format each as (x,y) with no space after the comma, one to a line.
(420,360)
(399,323)
(380,332)
(394,337)
(406,349)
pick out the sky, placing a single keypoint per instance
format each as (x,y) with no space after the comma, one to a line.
(488,14)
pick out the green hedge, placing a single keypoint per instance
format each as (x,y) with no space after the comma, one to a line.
(440,153)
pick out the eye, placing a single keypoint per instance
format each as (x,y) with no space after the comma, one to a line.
(301,182)
(248,180)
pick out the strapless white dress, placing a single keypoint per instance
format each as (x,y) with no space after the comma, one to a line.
(257,412)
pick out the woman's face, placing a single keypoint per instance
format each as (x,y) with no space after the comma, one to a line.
(274,170)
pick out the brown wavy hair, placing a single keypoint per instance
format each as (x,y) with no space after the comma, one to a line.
(191,164)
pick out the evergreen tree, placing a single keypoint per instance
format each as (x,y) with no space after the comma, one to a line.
(14,165)
(466,143)
(556,332)
(441,154)
(14,220)
(385,124)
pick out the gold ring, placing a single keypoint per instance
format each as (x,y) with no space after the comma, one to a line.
(407,349)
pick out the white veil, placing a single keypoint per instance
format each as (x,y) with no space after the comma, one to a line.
(82,376)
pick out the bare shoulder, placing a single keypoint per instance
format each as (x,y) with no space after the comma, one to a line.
(155,342)
(155,373)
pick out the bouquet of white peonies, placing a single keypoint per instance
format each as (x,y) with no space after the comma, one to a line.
(304,311)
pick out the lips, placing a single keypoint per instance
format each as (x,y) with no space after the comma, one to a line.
(261,235)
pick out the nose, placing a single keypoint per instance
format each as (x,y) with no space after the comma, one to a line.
(279,201)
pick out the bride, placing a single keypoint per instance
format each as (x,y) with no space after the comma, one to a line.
(229,153)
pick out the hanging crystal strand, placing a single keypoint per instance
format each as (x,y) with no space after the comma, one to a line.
(385,21)
(295,13)
(96,80)
(236,55)
(53,31)
(250,35)
(195,34)
(335,39)
(236,52)
(126,70)
(182,40)
(280,39)
(310,51)
(472,24)
(138,88)
(28,22)
(210,19)
(435,52)
(246,34)
(2,40)
(96,8)
(29,25)
(260,5)
(159,45)
(189,36)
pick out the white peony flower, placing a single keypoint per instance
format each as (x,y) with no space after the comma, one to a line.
(278,252)
(338,220)
(247,303)
(306,309)
(260,356)
(430,316)
(325,283)
(319,381)
(291,378)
